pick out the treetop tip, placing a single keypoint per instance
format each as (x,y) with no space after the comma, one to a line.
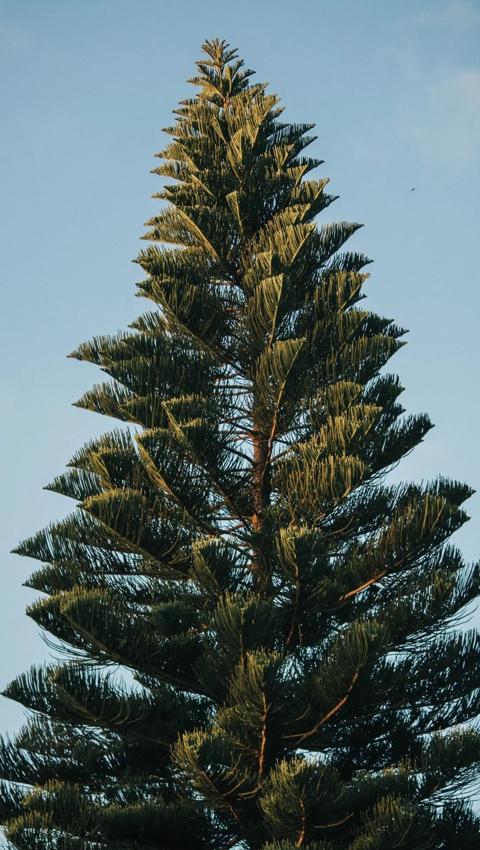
(219,52)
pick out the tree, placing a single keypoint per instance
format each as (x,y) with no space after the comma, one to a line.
(282,611)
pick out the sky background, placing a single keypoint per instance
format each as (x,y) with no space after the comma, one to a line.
(87,85)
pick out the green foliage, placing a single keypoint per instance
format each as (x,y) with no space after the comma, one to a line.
(257,629)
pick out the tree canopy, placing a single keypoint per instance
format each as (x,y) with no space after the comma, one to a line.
(259,630)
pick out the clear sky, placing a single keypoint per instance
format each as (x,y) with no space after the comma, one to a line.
(87,85)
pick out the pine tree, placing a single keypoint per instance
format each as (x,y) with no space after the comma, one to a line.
(282,613)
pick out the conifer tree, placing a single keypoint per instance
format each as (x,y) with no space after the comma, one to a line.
(283,612)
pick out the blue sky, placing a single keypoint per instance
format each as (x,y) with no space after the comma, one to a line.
(394,89)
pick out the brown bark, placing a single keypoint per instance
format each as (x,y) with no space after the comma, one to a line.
(261,490)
